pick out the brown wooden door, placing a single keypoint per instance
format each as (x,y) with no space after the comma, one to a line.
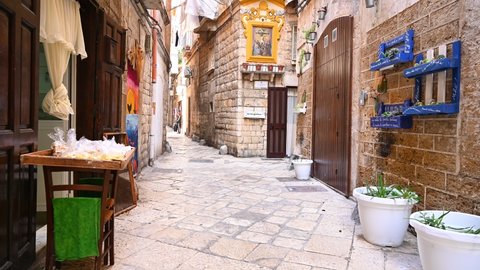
(277,122)
(111,62)
(99,80)
(19,45)
(332,92)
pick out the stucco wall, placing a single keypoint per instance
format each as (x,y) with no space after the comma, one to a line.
(438,157)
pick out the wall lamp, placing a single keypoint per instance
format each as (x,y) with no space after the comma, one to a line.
(307,55)
(370,3)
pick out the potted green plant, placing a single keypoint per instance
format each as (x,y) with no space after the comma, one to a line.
(310,34)
(447,240)
(384,212)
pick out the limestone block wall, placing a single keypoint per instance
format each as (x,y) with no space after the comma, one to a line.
(191,102)
(304,121)
(227,99)
(253,132)
(123,12)
(203,119)
(438,157)
(223,93)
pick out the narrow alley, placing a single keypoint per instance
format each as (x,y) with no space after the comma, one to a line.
(201,210)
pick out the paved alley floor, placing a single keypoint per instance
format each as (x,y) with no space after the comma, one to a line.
(201,210)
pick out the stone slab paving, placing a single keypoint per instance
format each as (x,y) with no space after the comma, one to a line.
(234,213)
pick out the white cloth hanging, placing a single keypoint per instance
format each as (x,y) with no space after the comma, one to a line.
(204,8)
(61,34)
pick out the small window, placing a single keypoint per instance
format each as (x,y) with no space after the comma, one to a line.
(211,106)
(294,44)
(334,35)
(325,41)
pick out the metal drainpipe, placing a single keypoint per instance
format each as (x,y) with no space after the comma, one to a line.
(151,159)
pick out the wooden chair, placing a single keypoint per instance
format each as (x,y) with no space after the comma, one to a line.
(122,137)
(107,191)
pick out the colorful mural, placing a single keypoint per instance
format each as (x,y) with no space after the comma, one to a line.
(132,135)
(132,90)
(134,73)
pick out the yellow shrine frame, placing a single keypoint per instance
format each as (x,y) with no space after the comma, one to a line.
(262,44)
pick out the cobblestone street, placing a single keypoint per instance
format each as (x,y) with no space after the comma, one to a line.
(201,210)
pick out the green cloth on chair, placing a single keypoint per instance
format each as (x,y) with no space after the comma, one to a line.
(98,181)
(76,223)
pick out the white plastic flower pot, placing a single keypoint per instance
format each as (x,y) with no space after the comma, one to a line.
(302,168)
(445,249)
(384,221)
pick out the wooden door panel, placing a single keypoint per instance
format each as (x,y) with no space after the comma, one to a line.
(25,209)
(19,27)
(5,157)
(28,77)
(277,122)
(111,53)
(101,74)
(331,123)
(111,107)
(6,104)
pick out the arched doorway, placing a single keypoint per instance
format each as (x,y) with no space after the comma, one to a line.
(332,94)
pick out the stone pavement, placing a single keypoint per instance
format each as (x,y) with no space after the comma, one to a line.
(200,210)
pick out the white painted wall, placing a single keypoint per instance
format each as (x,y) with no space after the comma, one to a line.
(384,10)
(157,96)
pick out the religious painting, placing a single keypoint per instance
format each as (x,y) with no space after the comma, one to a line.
(262,31)
(262,41)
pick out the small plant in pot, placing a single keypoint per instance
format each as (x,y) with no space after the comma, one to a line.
(384,212)
(447,240)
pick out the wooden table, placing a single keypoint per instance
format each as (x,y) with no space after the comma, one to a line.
(109,170)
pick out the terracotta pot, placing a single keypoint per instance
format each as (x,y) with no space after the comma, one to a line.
(259,67)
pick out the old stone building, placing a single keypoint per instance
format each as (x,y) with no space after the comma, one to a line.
(437,155)
(229,77)
(108,88)
(140,28)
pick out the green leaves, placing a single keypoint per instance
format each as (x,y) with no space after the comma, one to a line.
(391,192)
(437,222)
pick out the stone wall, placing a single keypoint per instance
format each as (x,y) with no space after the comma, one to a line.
(304,121)
(222,93)
(253,132)
(124,13)
(227,91)
(438,157)
(202,92)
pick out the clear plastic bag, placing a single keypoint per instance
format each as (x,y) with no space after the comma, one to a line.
(85,148)
(59,145)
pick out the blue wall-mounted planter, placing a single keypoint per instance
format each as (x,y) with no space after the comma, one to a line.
(434,66)
(397,121)
(404,54)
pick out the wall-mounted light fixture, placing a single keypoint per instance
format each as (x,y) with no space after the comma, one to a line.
(370,3)
(307,55)
(312,36)
(322,12)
